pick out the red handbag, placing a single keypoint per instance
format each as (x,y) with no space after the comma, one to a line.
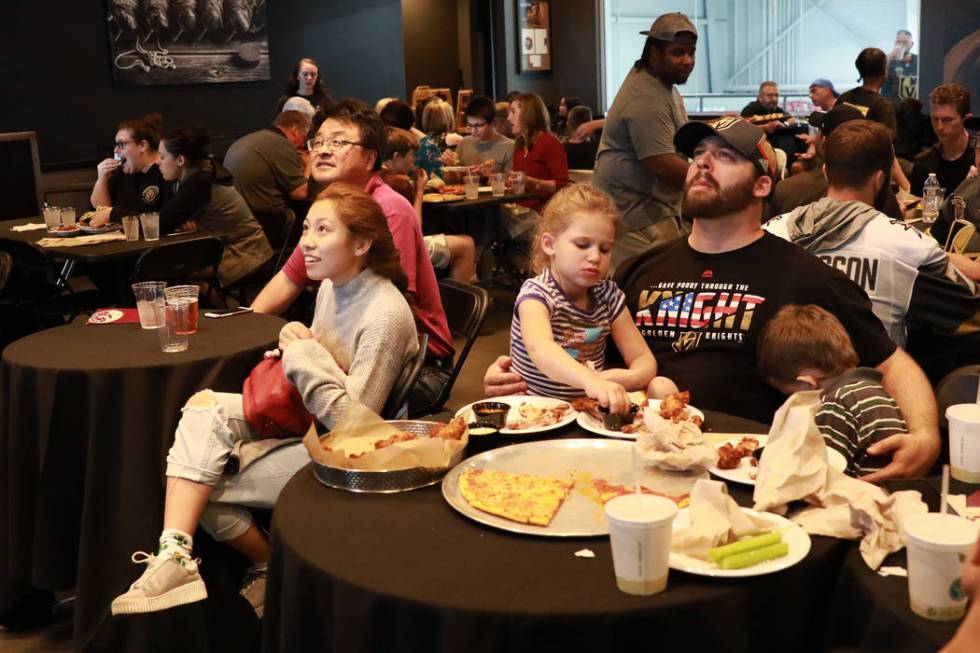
(272,406)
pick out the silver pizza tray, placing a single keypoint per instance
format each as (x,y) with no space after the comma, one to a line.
(390,480)
(579,516)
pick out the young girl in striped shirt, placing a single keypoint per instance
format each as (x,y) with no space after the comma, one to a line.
(563,316)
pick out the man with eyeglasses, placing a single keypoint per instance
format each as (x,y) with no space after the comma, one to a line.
(348,148)
(485,146)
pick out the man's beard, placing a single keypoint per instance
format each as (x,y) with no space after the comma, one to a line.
(724,201)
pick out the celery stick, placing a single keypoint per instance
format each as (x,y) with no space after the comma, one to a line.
(719,553)
(755,556)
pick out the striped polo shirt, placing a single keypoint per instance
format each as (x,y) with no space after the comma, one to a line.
(857,412)
(582,333)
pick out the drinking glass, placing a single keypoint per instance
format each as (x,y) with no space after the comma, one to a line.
(131,227)
(498,184)
(68,216)
(187,296)
(151,225)
(471,185)
(52,217)
(173,315)
(149,300)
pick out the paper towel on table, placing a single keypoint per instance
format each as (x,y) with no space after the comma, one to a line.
(716,520)
(794,467)
(671,445)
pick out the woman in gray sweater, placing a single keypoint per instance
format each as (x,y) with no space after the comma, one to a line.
(363,334)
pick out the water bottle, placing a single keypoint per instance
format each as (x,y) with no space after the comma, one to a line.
(930,199)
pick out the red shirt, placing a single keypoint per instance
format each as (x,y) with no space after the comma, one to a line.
(545,160)
(407,234)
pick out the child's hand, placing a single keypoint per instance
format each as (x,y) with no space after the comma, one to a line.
(609,394)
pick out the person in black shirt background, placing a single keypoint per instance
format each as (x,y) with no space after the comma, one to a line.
(952,157)
(131,182)
(580,151)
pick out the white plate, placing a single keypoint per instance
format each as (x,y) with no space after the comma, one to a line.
(741,473)
(590,423)
(514,401)
(796,537)
(579,516)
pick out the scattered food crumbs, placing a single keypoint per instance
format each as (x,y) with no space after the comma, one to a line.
(584,553)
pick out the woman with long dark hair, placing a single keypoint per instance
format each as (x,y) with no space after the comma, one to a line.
(205,199)
(362,336)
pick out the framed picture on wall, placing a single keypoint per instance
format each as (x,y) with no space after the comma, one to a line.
(187,41)
(534,34)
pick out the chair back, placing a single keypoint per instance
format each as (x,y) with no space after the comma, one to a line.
(180,262)
(277,225)
(466,308)
(581,176)
(957,387)
(410,374)
(960,233)
(29,272)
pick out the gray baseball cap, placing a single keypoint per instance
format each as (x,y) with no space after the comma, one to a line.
(668,26)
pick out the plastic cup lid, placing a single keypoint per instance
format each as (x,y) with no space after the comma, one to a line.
(965,412)
(941,531)
(640,509)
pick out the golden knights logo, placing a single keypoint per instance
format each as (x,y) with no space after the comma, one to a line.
(691,314)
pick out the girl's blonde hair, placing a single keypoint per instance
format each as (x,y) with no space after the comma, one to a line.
(558,214)
(437,117)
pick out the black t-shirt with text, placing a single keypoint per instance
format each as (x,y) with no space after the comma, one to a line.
(872,106)
(142,192)
(701,315)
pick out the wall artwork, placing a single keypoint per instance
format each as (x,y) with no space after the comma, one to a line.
(534,32)
(187,41)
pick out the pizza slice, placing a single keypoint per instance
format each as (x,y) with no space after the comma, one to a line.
(522,498)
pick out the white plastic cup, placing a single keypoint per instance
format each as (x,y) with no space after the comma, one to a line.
(640,528)
(498,184)
(149,301)
(964,442)
(937,546)
(151,225)
(173,316)
(471,186)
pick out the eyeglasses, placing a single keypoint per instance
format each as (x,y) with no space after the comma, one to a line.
(121,144)
(332,144)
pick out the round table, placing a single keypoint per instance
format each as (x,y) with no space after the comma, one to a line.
(87,414)
(405,572)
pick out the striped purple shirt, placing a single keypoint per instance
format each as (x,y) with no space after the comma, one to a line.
(582,333)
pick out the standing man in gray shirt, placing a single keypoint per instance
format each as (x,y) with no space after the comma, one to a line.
(637,164)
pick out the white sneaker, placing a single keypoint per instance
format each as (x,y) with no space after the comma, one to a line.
(169,581)
(253,589)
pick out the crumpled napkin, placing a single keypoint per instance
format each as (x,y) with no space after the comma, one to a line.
(715,520)
(794,467)
(30,226)
(671,445)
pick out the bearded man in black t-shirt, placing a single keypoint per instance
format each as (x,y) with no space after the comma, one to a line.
(701,301)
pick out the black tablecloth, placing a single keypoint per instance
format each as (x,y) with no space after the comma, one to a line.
(87,414)
(98,253)
(405,572)
(873,613)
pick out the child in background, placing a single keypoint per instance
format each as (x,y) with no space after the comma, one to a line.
(454,251)
(563,316)
(807,348)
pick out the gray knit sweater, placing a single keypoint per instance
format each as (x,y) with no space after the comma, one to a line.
(367,336)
